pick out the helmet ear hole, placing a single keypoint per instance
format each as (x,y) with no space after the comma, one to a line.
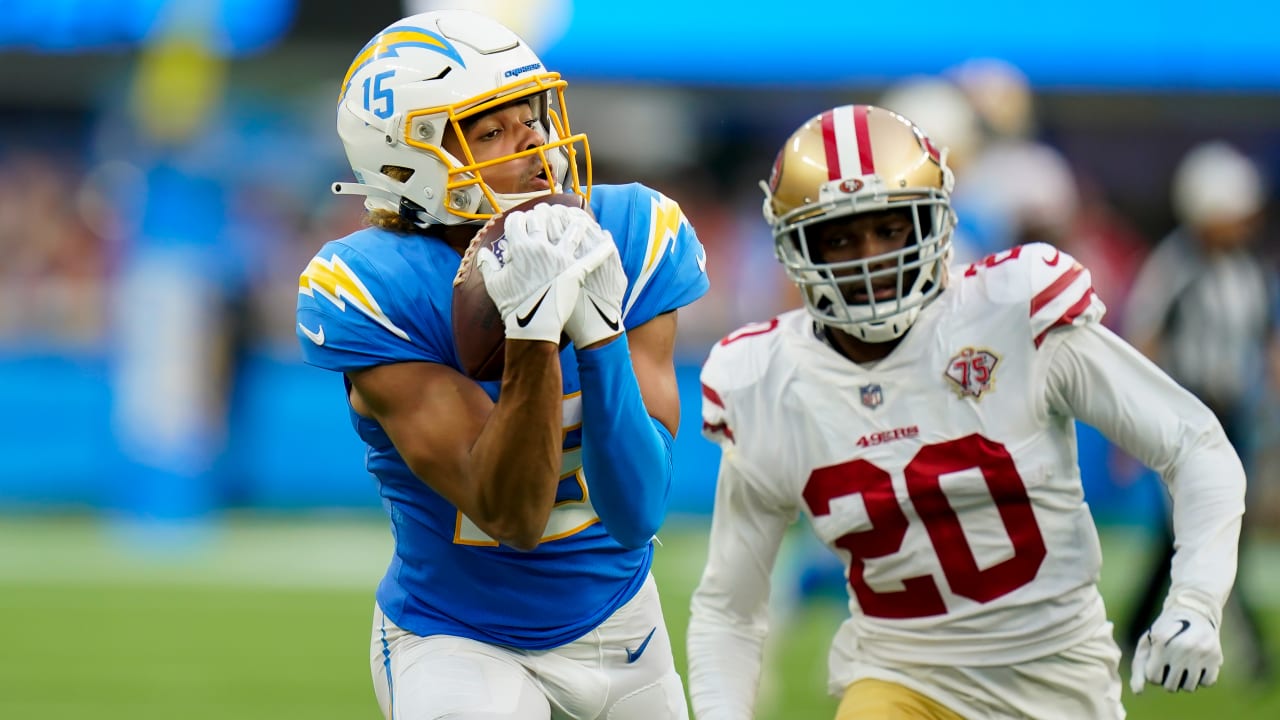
(397,172)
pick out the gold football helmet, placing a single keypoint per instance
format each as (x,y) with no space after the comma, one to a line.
(857,159)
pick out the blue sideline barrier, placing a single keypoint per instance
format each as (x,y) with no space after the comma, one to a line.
(291,446)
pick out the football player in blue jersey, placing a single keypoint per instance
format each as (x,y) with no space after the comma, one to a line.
(523,509)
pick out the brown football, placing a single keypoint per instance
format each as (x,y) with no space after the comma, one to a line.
(478,333)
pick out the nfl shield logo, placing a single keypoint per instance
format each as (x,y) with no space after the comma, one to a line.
(872,396)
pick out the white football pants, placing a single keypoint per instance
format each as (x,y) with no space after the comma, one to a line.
(622,670)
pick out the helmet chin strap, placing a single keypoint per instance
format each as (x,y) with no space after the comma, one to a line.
(506,201)
(887,330)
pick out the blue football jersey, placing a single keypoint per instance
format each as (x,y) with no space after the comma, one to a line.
(377,297)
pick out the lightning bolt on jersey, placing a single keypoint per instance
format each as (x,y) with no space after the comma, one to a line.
(376,297)
(937,474)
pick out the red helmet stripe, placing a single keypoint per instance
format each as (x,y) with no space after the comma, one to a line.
(830,146)
(847,142)
(863,133)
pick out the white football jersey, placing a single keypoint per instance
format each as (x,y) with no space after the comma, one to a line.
(945,476)
(938,474)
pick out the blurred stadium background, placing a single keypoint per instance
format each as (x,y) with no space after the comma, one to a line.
(185,524)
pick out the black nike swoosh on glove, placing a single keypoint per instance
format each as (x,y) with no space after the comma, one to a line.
(612,323)
(1185,625)
(524,320)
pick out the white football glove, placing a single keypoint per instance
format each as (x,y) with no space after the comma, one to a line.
(1181,651)
(533,276)
(598,315)
(558,218)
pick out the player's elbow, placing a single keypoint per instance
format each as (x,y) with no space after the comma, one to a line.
(514,525)
(633,541)
(523,543)
(632,519)
(518,535)
(635,532)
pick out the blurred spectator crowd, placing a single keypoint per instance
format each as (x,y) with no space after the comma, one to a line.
(245,181)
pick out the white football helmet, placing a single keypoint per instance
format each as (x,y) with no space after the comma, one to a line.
(857,159)
(416,81)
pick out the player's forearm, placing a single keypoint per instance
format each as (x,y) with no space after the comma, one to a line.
(626,454)
(729,617)
(515,462)
(1108,385)
(724,669)
(1178,436)
(1208,502)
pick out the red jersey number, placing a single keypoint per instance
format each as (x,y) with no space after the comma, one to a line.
(994,259)
(919,596)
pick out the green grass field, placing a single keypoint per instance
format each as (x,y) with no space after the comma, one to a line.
(269,618)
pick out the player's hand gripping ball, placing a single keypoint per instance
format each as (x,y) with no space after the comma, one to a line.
(479,334)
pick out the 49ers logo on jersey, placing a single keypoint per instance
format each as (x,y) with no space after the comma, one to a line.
(971,371)
(884,436)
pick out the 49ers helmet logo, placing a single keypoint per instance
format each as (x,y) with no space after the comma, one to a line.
(851,185)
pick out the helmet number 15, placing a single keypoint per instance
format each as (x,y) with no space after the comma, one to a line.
(375,93)
(919,596)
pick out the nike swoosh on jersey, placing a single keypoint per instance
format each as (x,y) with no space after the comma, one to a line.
(1057,254)
(633,656)
(701,259)
(316,337)
(523,320)
(612,323)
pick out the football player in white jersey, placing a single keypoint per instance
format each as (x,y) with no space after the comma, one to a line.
(922,419)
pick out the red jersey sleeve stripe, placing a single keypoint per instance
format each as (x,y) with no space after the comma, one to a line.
(719,427)
(1069,316)
(1047,295)
(711,395)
